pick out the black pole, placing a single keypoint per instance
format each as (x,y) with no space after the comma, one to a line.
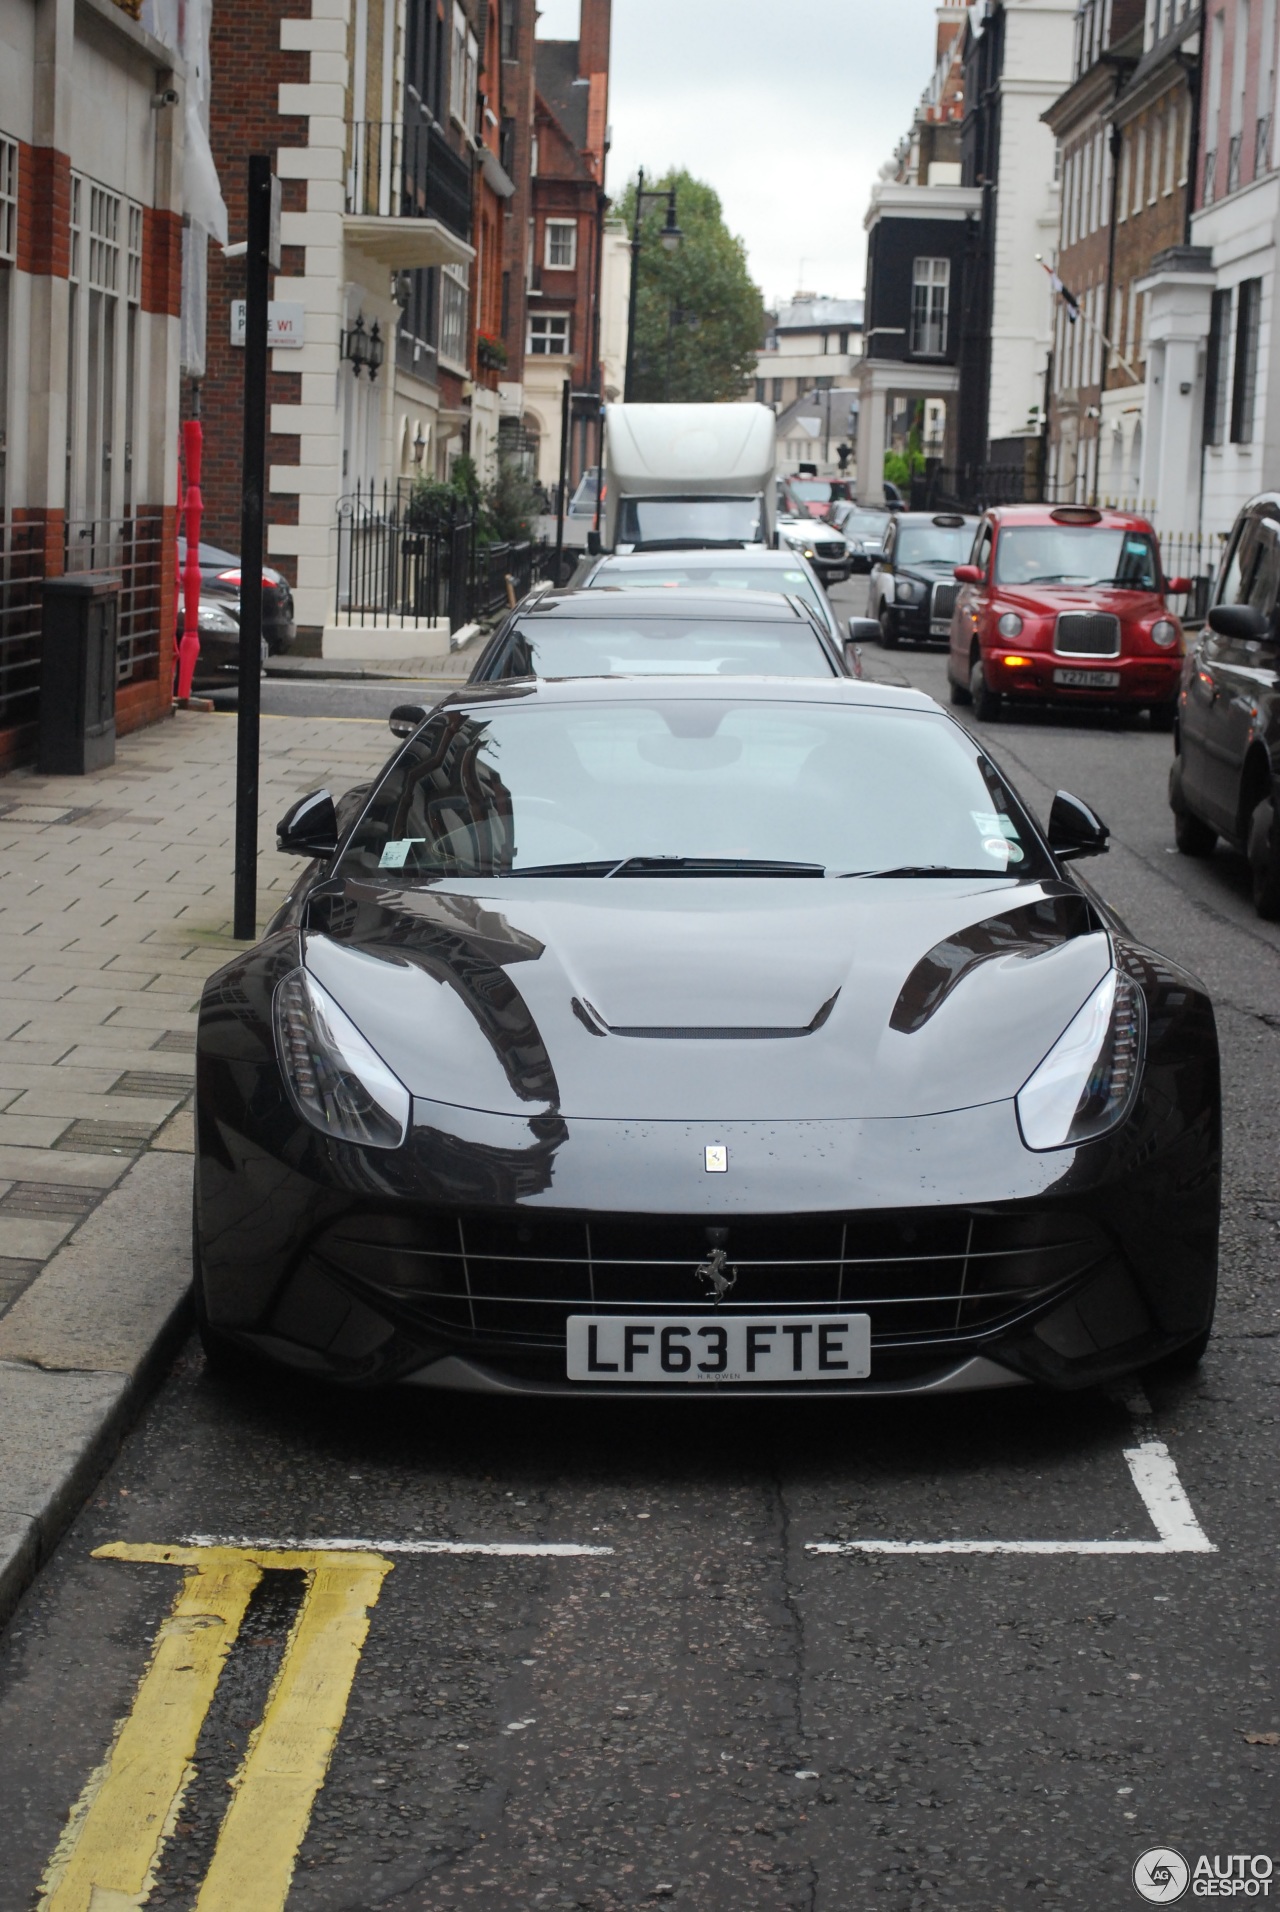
(629,379)
(249,701)
(564,465)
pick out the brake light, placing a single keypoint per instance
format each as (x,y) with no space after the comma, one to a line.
(233,577)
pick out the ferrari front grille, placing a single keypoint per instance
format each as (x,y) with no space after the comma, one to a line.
(513,1278)
(1087,634)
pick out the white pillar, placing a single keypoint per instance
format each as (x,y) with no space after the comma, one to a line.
(1179,305)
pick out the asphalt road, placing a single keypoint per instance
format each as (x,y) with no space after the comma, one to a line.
(711,1714)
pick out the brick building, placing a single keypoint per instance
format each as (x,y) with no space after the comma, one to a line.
(1126,135)
(91,196)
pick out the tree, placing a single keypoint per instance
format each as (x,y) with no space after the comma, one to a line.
(699,314)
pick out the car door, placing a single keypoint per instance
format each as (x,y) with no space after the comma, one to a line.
(967,621)
(1215,715)
(881,592)
(1246,677)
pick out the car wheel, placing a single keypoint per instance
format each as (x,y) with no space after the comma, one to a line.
(1183,1361)
(1264,860)
(959,692)
(986,702)
(1192,837)
(888,629)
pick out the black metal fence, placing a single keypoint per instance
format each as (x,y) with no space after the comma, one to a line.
(22,567)
(407,171)
(404,562)
(133,548)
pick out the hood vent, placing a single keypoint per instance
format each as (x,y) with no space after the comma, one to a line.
(596,1023)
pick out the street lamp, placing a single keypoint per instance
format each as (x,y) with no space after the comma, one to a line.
(669,239)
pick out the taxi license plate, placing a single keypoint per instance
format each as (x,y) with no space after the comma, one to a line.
(1088,680)
(699,1350)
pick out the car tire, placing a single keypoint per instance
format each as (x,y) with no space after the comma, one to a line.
(959,692)
(888,629)
(986,702)
(1192,836)
(1183,1361)
(1264,860)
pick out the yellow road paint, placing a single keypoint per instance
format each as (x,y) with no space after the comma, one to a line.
(289,1752)
(106,1859)
(107,1855)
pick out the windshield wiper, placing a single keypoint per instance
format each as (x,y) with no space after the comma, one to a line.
(673,866)
(928,869)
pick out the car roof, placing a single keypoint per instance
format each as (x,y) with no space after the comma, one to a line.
(605,602)
(932,517)
(1043,514)
(764,557)
(759,690)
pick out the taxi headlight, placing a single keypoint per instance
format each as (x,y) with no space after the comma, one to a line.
(1086,1083)
(1165,633)
(338,1082)
(906,591)
(1010,625)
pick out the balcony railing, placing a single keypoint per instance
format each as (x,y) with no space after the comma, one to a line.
(1233,162)
(1262,147)
(1210,175)
(399,171)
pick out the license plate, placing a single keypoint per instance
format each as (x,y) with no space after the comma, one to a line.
(1088,680)
(699,1349)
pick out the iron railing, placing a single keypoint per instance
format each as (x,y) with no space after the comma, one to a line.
(407,171)
(21,593)
(405,560)
(132,547)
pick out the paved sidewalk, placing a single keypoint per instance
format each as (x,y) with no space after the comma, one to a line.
(115,905)
(453,669)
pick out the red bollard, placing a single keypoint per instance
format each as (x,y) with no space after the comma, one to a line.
(189,648)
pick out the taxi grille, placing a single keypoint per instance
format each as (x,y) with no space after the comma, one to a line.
(1088,634)
(944,601)
(511,1280)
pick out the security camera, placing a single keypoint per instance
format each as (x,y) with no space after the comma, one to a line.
(169,97)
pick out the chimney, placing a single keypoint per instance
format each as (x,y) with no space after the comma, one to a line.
(593,38)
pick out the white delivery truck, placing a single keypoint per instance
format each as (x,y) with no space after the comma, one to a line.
(688,475)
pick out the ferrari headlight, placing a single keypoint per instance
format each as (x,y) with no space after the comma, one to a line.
(1165,633)
(1086,1083)
(338,1082)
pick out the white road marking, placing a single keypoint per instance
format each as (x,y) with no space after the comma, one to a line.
(1155,1475)
(550,1549)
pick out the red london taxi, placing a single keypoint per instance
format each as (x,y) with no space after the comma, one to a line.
(1065,604)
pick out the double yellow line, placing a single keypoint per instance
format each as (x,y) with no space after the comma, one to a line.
(107,1858)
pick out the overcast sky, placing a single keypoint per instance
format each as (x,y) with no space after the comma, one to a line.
(788,111)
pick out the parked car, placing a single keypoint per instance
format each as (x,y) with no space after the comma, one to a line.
(1223,779)
(864,529)
(646,1035)
(913,587)
(218,665)
(220,578)
(820,544)
(637,633)
(1065,604)
(803,496)
(753,568)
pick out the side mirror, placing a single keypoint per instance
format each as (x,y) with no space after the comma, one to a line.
(1239,621)
(970,574)
(309,827)
(853,658)
(1074,829)
(863,630)
(405,718)
(1178,587)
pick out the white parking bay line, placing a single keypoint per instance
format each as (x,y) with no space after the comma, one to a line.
(515,1549)
(1155,1475)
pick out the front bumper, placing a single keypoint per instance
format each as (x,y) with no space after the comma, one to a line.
(454,1261)
(1144,680)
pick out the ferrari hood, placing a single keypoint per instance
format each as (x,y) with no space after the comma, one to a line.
(687,999)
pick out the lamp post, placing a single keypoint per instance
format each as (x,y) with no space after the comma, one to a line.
(669,239)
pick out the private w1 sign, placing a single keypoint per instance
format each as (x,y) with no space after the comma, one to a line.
(286,324)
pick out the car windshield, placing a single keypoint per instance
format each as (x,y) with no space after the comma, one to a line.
(695,521)
(691,786)
(668,646)
(861,524)
(810,491)
(933,544)
(1081,554)
(722,576)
